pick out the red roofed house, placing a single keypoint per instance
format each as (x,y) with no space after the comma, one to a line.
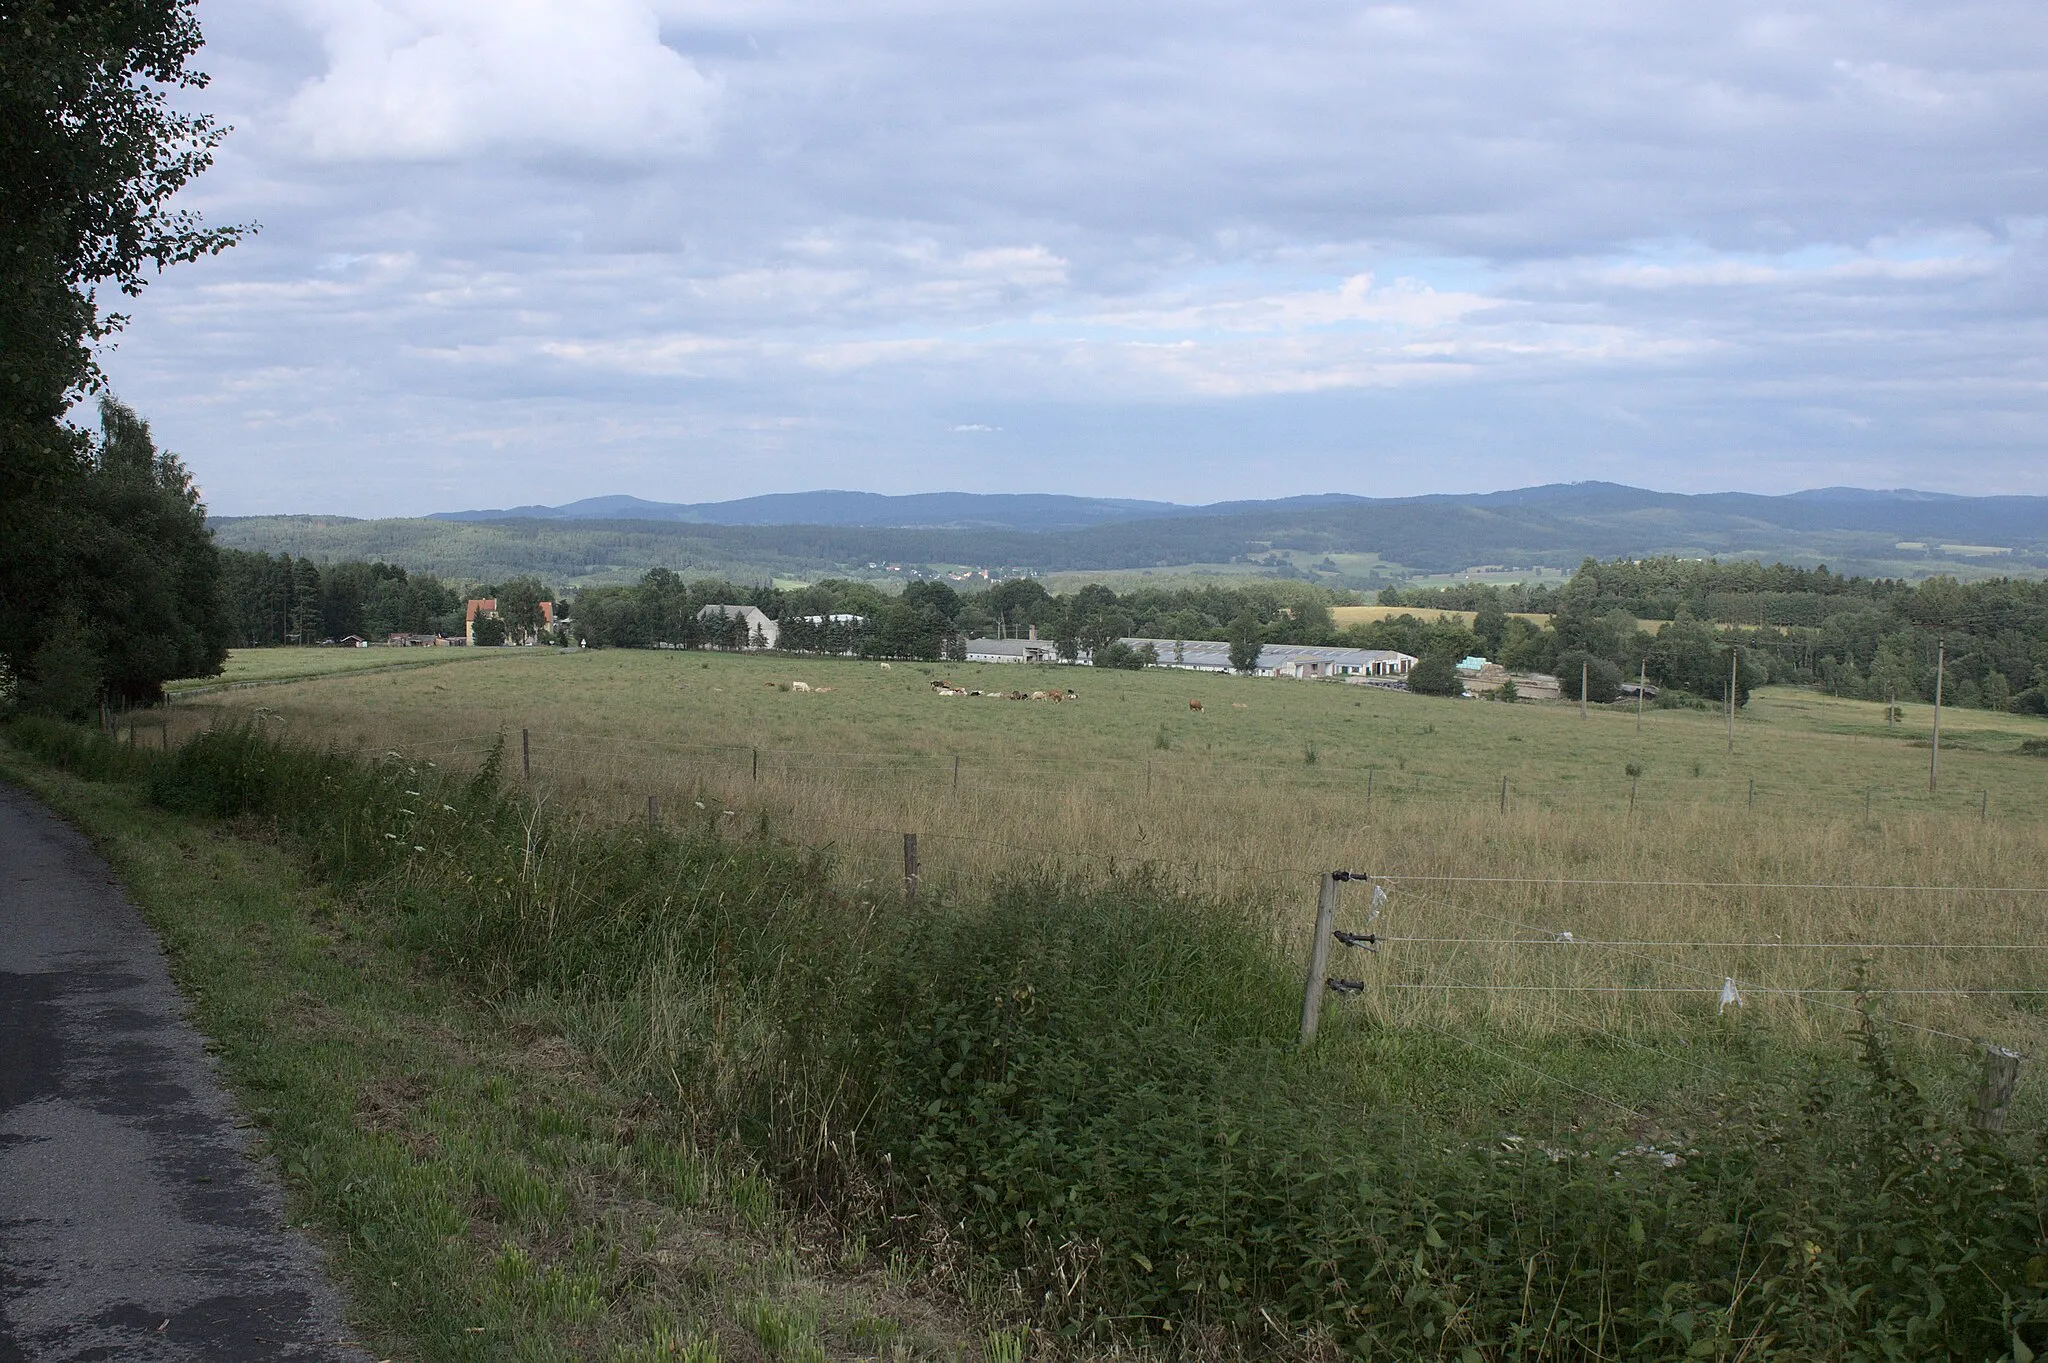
(488,606)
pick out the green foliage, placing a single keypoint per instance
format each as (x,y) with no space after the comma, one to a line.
(125,598)
(66,677)
(106,532)
(1436,674)
(489,631)
(1092,1083)
(1117,653)
(1245,642)
(1602,678)
(84,752)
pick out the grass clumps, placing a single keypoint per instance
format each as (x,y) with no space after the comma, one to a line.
(1087,1088)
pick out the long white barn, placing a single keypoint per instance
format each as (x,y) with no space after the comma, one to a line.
(1283,660)
(1210,655)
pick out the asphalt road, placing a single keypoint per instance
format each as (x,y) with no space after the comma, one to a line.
(133,1223)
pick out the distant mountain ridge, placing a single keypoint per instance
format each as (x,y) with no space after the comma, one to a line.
(1338,538)
(1905,511)
(916,511)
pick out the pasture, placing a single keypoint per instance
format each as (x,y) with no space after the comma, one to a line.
(1810,859)
(249,666)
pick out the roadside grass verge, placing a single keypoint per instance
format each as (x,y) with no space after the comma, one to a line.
(482,1189)
(1077,1097)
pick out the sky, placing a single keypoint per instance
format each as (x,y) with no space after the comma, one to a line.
(517,251)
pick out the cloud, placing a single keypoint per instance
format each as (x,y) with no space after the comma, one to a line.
(692,248)
(441,79)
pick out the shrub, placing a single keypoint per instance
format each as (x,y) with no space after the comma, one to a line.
(74,748)
(1436,674)
(1092,1083)
(1117,653)
(1603,679)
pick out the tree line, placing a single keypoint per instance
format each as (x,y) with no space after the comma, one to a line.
(1680,623)
(108,578)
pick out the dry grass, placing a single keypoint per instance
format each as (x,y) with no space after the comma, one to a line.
(1399,786)
(1365,615)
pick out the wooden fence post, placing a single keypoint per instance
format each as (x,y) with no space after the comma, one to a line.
(757,763)
(525,755)
(653,810)
(956,771)
(1503,794)
(1319,959)
(1934,756)
(1994,1099)
(909,869)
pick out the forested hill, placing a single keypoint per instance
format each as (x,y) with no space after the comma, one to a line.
(1894,534)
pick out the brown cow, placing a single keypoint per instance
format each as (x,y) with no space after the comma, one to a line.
(1195,705)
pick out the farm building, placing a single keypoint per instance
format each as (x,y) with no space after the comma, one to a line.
(488,606)
(761,631)
(1481,676)
(1011,651)
(1299,661)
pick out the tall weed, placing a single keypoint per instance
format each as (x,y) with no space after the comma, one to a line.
(1090,1083)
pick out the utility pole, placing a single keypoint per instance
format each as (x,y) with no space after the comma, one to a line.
(1934,757)
(1642,679)
(1582,689)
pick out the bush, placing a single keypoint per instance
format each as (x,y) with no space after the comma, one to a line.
(1117,653)
(1093,1084)
(1603,679)
(1436,674)
(74,748)
(2032,701)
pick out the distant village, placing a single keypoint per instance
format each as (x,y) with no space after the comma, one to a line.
(750,629)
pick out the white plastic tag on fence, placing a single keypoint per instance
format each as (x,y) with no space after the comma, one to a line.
(1729,994)
(1379,895)
(1566,937)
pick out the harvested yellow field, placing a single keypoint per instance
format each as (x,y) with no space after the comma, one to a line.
(1365,615)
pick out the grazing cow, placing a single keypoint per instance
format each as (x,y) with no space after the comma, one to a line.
(1195,705)
(799,686)
(885,667)
(1237,705)
(1038,695)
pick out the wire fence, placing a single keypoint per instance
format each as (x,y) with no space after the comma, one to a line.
(1418,963)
